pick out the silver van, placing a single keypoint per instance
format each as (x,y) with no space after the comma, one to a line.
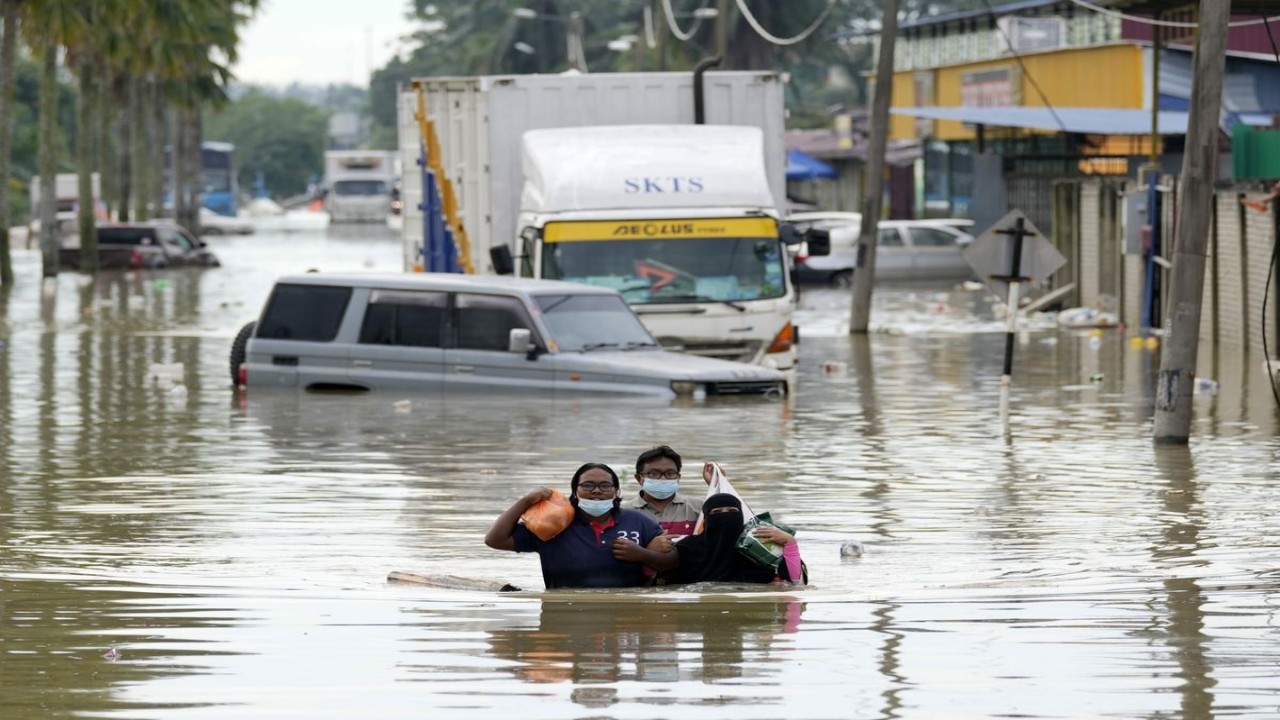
(450,334)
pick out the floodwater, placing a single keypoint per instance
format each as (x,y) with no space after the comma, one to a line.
(175,550)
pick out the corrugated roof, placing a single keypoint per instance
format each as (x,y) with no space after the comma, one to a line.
(1093,121)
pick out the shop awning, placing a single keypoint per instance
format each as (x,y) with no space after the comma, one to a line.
(803,166)
(1093,121)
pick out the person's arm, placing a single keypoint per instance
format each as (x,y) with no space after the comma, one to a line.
(790,549)
(500,533)
(629,551)
(662,543)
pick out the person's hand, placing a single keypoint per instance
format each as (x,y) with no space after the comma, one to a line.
(537,496)
(626,550)
(773,535)
(708,469)
(661,544)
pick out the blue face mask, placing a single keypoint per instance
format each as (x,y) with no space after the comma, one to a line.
(595,508)
(661,489)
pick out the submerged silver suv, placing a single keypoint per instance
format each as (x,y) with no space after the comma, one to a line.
(448,333)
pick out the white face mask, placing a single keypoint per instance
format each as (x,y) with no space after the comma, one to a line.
(661,489)
(595,508)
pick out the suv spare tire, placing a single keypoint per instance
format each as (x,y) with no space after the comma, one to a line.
(238,349)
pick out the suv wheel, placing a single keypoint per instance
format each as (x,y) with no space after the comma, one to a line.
(842,279)
(238,348)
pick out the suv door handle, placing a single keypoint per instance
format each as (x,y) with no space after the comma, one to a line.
(464,368)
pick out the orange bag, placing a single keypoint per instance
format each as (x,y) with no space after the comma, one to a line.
(548,518)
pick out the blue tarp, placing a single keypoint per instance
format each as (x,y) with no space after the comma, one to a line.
(801,166)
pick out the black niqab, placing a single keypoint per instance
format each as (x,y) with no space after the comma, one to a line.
(713,555)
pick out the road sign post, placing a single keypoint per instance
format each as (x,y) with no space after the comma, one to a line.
(1032,262)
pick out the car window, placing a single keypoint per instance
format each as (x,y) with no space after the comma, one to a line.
(414,319)
(889,237)
(185,241)
(932,237)
(304,312)
(484,322)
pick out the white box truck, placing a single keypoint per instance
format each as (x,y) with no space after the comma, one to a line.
(606,179)
(358,184)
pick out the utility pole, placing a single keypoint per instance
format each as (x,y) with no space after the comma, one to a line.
(574,49)
(873,185)
(1199,164)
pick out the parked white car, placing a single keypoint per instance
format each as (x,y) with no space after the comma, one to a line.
(905,249)
(211,223)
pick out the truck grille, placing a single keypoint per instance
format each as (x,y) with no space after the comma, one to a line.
(736,351)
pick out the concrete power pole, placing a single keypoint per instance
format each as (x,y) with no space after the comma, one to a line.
(1199,164)
(873,187)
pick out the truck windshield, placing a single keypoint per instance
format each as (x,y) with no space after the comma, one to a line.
(360,187)
(672,270)
(589,322)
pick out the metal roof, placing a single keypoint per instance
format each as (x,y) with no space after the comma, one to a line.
(1094,121)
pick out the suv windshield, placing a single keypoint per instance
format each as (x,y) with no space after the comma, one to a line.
(670,269)
(589,322)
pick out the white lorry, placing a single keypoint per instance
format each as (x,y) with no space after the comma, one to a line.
(358,184)
(66,190)
(605,179)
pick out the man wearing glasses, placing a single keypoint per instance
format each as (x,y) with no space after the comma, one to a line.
(658,472)
(583,554)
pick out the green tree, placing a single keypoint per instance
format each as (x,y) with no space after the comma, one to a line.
(8,59)
(282,138)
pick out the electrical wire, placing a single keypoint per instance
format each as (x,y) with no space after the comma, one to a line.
(649,39)
(1275,249)
(675,29)
(1163,23)
(755,24)
(1039,91)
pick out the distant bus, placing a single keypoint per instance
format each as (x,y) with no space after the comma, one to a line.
(220,191)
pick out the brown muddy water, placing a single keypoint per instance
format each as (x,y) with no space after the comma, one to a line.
(179,551)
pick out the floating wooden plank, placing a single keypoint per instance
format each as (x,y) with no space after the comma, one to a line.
(452,582)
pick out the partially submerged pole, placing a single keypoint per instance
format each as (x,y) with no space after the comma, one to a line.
(873,187)
(1015,279)
(1175,383)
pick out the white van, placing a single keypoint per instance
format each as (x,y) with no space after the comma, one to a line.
(444,333)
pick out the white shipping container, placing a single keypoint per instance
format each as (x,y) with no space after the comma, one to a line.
(480,121)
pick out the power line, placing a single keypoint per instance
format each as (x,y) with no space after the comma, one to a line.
(755,24)
(1163,23)
(1040,91)
(675,29)
(1275,250)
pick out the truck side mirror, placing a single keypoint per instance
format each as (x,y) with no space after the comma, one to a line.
(818,242)
(788,234)
(500,256)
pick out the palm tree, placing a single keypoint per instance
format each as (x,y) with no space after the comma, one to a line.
(50,23)
(8,46)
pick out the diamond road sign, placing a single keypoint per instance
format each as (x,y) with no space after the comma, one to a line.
(991,254)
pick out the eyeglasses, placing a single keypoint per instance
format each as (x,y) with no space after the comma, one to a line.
(662,475)
(606,488)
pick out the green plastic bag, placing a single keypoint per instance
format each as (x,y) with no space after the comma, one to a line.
(761,552)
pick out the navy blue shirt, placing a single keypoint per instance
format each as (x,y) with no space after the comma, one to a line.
(580,558)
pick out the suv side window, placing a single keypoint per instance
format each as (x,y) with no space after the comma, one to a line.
(484,322)
(304,312)
(396,317)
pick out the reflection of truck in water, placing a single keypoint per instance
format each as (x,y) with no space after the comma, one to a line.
(605,179)
(358,184)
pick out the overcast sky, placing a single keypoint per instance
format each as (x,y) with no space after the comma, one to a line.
(320,41)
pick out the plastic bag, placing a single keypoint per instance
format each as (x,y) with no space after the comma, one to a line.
(720,484)
(758,550)
(548,518)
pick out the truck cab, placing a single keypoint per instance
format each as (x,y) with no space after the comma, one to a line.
(679,219)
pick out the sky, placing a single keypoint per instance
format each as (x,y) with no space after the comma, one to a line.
(318,42)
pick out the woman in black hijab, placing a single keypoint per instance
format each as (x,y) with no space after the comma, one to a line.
(713,556)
